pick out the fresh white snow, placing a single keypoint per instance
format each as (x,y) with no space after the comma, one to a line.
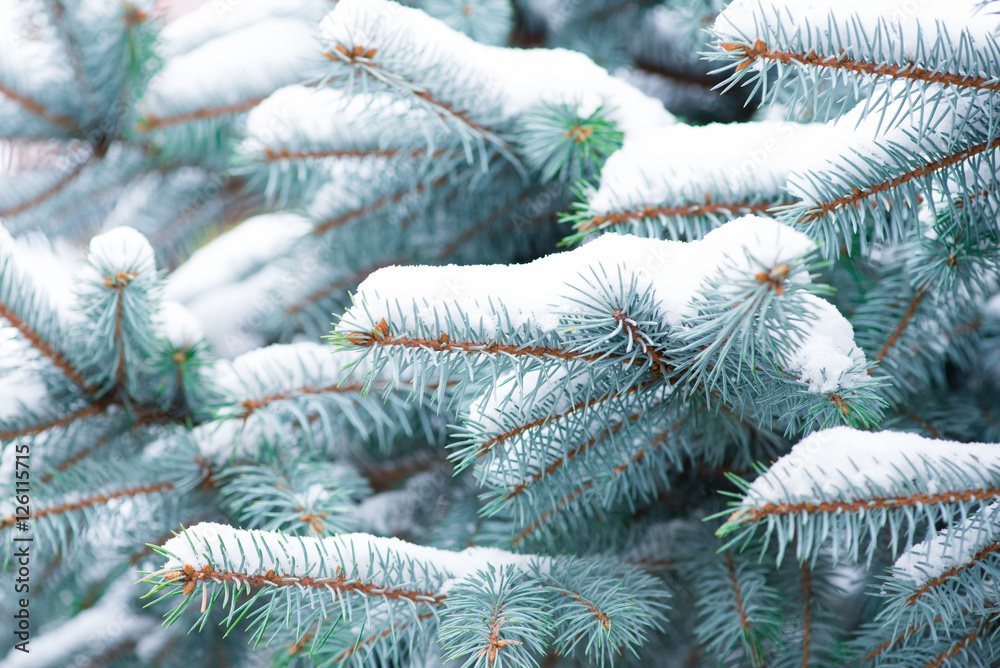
(256,552)
(951,547)
(219,17)
(847,464)
(536,294)
(732,162)
(517,79)
(237,67)
(235,254)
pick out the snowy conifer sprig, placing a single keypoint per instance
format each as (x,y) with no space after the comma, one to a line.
(713,173)
(313,591)
(898,481)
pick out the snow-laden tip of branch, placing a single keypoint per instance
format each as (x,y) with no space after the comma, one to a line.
(123,249)
(858,481)
(716,171)
(514,80)
(400,305)
(845,466)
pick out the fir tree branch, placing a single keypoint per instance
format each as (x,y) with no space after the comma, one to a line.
(150,123)
(752,515)
(900,638)
(558,507)
(737,594)
(904,321)
(708,208)
(386,475)
(252,405)
(748,54)
(960,645)
(578,597)
(952,572)
(859,196)
(559,462)
(90,502)
(44,347)
(89,410)
(48,193)
(807,599)
(361,59)
(924,424)
(40,110)
(75,458)
(637,457)
(270,155)
(347,653)
(344,218)
(72,48)
(118,283)
(189,577)
(380,336)
(498,439)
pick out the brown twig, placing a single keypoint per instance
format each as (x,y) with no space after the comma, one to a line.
(43,346)
(339,583)
(151,123)
(749,515)
(901,327)
(760,50)
(47,193)
(90,502)
(708,208)
(40,110)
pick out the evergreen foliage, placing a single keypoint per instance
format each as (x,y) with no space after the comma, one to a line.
(661,345)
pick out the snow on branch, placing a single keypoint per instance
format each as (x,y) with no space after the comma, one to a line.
(118,293)
(301,137)
(948,43)
(578,307)
(185,33)
(382,582)
(26,306)
(843,486)
(680,181)
(894,166)
(943,577)
(478,90)
(299,384)
(195,96)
